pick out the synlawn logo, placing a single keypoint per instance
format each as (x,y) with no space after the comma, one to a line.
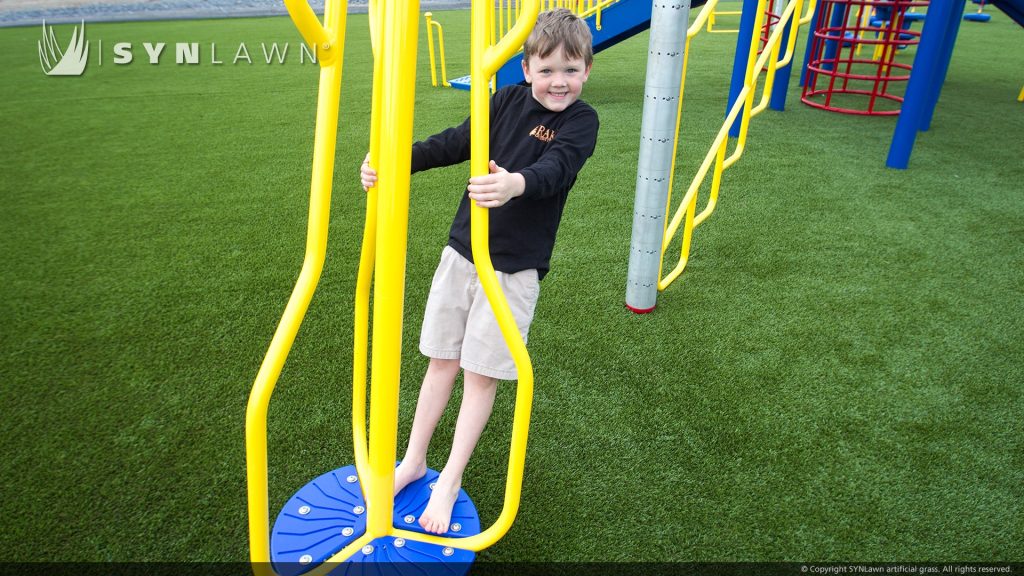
(69,62)
(72,60)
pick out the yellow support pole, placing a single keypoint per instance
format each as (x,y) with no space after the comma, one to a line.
(330,43)
(367,256)
(398,52)
(431,23)
(430,49)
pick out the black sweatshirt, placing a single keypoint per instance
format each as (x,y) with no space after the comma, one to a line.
(547,148)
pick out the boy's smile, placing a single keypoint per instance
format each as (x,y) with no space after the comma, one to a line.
(556,80)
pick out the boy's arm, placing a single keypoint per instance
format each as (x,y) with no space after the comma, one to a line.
(450,146)
(555,171)
(445,148)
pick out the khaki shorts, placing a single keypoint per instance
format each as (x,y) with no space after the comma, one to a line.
(459,323)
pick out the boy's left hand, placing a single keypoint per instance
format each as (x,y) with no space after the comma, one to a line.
(496,188)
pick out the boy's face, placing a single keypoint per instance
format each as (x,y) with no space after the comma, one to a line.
(556,80)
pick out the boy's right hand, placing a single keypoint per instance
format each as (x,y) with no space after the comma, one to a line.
(367,175)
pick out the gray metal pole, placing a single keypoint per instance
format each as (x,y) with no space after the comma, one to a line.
(669,21)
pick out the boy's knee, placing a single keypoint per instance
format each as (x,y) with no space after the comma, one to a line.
(479,380)
(444,365)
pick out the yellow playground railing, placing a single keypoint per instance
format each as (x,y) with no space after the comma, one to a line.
(713,17)
(743,108)
(431,24)
(393,36)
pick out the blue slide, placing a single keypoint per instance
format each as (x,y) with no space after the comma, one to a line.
(1013,8)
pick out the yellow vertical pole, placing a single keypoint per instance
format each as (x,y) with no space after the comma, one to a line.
(367,256)
(398,50)
(329,42)
(501,18)
(430,49)
(440,48)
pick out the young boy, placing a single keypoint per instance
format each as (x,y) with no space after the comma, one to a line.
(540,137)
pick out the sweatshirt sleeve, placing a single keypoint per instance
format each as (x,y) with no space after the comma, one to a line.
(445,148)
(555,171)
(450,146)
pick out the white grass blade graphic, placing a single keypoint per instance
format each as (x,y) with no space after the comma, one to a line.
(70,62)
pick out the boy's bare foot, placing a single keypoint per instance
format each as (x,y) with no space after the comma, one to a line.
(407,473)
(438,514)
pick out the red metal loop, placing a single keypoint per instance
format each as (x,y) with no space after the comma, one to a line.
(859,61)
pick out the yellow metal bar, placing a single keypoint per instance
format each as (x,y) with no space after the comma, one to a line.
(485,62)
(720,138)
(769,77)
(711,22)
(1020,97)
(716,185)
(684,214)
(430,49)
(368,253)
(706,14)
(440,47)
(398,44)
(316,248)
(501,18)
(431,23)
(691,32)
(809,14)
(312,31)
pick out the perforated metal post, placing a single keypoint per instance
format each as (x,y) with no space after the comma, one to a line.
(669,20)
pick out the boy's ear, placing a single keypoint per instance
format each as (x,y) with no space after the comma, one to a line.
(586,73)
(526,71)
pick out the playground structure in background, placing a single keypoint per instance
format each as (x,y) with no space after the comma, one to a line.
(350,514)
(835,65)
(756,53)
(891,32)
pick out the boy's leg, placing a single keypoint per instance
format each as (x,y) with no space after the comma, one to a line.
(433,399)
(477,402)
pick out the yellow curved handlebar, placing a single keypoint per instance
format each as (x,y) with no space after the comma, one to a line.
(316,36)
(324,142)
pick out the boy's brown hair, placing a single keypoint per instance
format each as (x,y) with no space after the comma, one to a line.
(559,27)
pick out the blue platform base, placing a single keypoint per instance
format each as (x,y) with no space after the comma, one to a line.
(329,513)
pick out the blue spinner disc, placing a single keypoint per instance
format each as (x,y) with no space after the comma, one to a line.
(329,513)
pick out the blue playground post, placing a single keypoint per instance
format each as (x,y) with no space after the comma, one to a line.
(739,63)
(924,81)
(782,75)
(838,20)
(810,44)
(949,40)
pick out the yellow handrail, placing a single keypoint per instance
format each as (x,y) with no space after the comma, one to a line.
(711,21)
(685,213)
(330,42)
(440,46)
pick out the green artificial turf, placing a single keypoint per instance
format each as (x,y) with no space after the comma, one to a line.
(836,376)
